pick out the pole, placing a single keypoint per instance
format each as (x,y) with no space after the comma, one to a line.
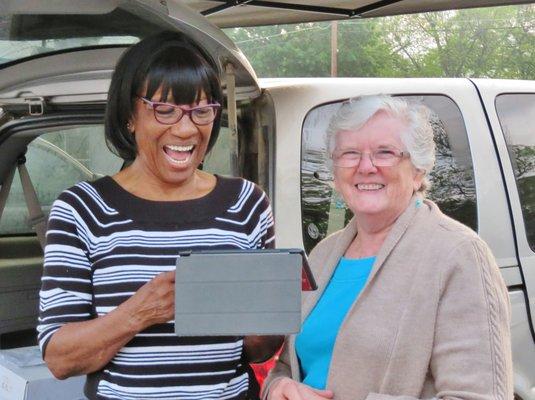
(334,48)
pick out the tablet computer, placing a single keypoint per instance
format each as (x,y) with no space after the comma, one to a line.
(240,292)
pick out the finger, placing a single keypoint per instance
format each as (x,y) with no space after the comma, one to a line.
(278,390)
(294,393)
(326,393)
(164,278)
(308,392)
(168,276)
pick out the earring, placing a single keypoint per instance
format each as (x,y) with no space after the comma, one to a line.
(130,127)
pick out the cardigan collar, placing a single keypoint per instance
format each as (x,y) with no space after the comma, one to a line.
(347,235)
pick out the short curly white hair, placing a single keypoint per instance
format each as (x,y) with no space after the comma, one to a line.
(418,139)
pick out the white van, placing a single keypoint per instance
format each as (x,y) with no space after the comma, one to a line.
(53,85)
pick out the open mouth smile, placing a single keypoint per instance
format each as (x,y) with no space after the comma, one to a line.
(369,186)
(178,154)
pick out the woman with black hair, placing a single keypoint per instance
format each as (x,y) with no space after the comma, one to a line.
(107,296)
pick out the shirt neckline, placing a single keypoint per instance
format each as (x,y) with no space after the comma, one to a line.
(360,259)
(214,203)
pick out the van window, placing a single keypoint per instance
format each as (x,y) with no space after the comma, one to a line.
(515,112)
(219,160)
(452,179)
(57,160)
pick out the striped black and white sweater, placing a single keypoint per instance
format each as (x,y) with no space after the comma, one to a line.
(103,244)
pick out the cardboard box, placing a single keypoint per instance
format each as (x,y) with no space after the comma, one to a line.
(24,376)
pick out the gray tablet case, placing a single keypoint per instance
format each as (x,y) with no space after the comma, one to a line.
(238,292)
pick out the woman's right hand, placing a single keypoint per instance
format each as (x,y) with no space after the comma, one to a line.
(288,389)
(104,336)
(153,303)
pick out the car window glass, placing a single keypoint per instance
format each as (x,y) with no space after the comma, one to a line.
(218,161)
(515,112)
(31,35)
(57,160)
(452,178)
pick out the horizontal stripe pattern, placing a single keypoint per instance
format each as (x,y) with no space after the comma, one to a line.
(99,253)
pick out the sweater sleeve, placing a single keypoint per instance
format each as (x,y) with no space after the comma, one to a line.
(280,370)
(471,356)
(66,292)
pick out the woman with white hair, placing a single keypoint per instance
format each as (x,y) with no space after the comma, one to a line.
(411,304)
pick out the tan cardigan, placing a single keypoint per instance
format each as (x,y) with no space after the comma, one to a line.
(432,320)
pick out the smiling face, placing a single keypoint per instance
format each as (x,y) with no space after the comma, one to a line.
(169,154)
(381,193)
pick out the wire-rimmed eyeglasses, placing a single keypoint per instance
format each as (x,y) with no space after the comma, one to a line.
(169,114)
(383,157)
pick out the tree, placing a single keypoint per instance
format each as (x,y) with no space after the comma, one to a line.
(286,50)
(494,42)
(489,42)
(363,50)
(304,49)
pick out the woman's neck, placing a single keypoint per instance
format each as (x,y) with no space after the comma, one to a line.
(372,232)
(198,185)
(366,244)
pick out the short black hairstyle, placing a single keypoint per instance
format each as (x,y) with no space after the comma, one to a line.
(170,60)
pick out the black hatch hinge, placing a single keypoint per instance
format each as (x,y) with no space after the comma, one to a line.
(36,106)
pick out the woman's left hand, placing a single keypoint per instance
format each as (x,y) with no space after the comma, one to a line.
(288,389)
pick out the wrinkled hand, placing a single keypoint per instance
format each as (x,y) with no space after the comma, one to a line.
(154,302)
(288,389)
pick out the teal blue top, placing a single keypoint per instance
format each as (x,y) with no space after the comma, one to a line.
(315,343)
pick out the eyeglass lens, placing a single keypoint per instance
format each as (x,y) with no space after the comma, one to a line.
(169,114)
(379,158)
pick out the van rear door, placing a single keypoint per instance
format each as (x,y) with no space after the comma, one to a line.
(510,107)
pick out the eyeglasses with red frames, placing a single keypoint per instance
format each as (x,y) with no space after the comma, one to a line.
(169,114)
(382,157)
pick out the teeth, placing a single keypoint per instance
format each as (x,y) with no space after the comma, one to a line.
(370,186)
(178,161)
(180,148)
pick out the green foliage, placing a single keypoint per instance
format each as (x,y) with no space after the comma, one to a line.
(494,42)
(286,50)
(523,159)
(363,51)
